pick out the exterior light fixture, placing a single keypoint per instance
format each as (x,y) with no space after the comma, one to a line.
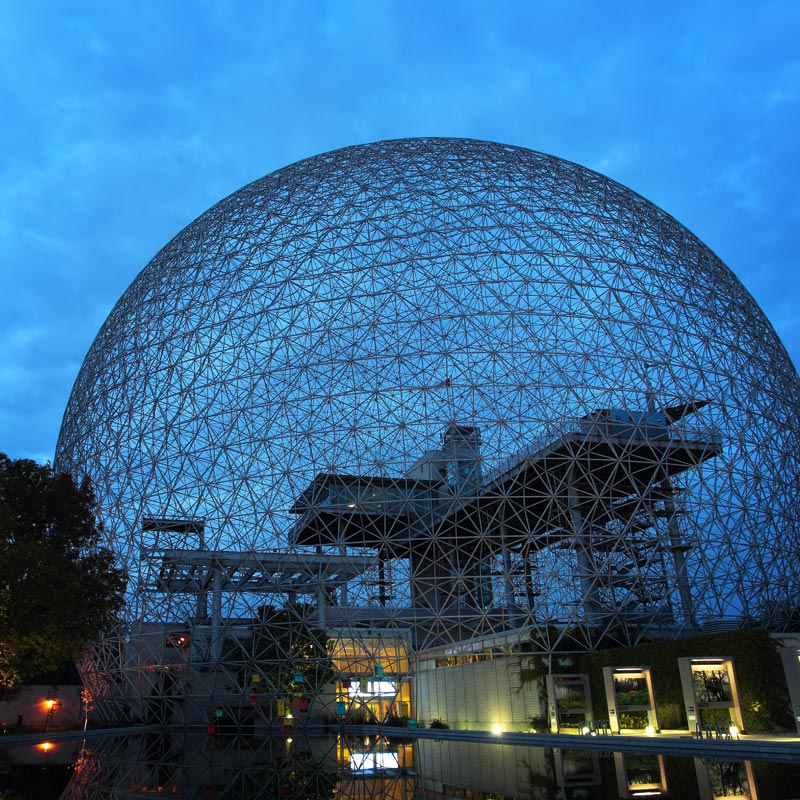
(497,730)
(650,730)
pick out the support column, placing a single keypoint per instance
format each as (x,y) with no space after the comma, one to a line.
(424,578)
(202,597)
(583,544)
(343,595)
(322,604)
(382,593)
(202,606)
(530,591)
(343,598)
(216,613)
(508,584)
(677,546)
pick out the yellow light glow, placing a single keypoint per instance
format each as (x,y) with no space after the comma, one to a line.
(46,746)
(497,730)
(48,704)
(650,730)
(734,731)
(585,730)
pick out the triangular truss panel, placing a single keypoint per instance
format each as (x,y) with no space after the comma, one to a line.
(418,392)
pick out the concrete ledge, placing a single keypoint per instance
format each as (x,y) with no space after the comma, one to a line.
(22,739)
(758,748)
(750,747)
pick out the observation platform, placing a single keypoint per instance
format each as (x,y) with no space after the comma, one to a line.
(364,511)
(608,468)
(267,572)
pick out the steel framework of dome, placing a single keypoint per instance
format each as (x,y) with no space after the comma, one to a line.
(438,390)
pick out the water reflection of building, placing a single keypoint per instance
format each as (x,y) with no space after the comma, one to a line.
(356,767)
(299,768)
(467,769)
(725,777)
(170,765)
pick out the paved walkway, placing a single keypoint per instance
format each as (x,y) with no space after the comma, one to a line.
(756,747)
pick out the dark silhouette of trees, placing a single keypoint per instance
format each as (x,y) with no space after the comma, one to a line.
(59,587)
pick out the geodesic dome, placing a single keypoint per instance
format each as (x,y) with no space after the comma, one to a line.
(516,390)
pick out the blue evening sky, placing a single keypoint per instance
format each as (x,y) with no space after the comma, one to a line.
(122,122)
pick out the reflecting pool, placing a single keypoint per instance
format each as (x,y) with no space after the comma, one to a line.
(357,767)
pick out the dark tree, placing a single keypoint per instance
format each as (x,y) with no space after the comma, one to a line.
(59,587)
(285,643)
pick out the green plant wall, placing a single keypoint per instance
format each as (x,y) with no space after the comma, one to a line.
(756,660)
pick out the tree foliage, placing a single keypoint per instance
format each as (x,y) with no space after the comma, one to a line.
(58,586)
(285,642)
